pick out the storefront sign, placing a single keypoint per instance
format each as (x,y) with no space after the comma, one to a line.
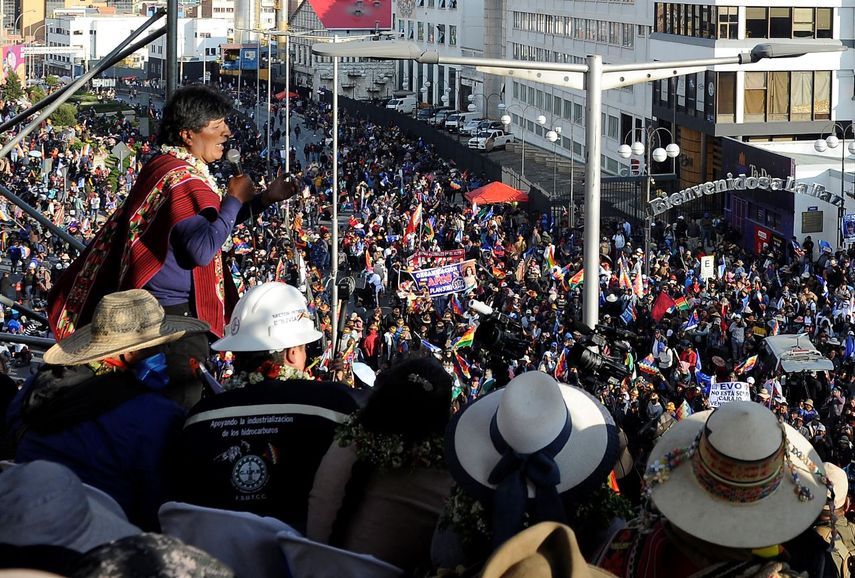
(742,183)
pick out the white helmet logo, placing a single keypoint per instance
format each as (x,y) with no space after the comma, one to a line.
(235,325)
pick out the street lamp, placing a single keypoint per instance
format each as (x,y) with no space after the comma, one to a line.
(506,120)
(593,78)
(832,142)
(472,107)
(659,154)
(552,136)
(18,19)
(424,90)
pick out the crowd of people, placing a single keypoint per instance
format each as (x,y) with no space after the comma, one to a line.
(401,431)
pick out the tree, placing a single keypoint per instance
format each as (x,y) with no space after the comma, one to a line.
(52,81)
(37,93)
(65,115)
(12,89)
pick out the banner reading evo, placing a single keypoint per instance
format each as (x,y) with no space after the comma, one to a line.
(721,393)
(447,279)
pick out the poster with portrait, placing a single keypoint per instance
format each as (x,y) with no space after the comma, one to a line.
(848,228)
(13,60)
(453,278)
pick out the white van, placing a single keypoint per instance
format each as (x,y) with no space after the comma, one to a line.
(455,121)
(404,104)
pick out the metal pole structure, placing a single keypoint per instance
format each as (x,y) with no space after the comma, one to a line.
(44,221)
(572,210)
(649,217)
(841,211)
(287,97)
(591,259)
(171,47)
(334,251)
(258,79)
(269,96)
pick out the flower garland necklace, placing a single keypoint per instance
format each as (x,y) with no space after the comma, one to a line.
(390,451)
(196,163)
(267,370)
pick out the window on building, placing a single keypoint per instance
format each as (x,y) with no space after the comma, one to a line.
(440,33)
(431,3)
(614,33)
(628,40)
(802,95)
(726,97)
(756,22)
(728,21)
(568,110)
(578,113)
(779,96)
(659,21)
(780,23)
(614,127)
(430,35)
(823,22)
(539,99)
(802,22)
(420,31)
(516,89)
(530,95)
(755,97)
(822,95)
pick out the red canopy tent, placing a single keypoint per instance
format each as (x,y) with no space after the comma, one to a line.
(496,192)
(281,95)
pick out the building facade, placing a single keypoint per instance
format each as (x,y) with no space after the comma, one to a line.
(199,41)
(94,34)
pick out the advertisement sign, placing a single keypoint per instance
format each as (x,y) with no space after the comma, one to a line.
(13,60)
(848,227)
(349,15)
(446,279)
(435,258)
(249,59)
(727,391)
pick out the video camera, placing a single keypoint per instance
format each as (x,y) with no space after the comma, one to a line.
(498,339)
(595,370)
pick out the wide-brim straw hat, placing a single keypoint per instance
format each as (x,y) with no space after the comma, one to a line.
(530,413)
(546,550)
(122,322)
(736,490)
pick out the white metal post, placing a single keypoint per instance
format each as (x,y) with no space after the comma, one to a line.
(334,252)
(591,259)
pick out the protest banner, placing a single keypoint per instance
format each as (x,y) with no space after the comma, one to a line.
(727,391)
(447,279)
(435,258)
(707,267)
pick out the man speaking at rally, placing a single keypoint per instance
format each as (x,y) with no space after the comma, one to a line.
(166,238)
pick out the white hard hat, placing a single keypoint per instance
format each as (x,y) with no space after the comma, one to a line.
(269,317)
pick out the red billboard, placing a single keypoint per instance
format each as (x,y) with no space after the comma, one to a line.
(354,14)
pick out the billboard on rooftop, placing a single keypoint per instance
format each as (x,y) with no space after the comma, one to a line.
(354,14)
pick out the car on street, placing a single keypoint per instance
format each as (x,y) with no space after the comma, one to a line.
(471,127)
(438,119)
(490,139)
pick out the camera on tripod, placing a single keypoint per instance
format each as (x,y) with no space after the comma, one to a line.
(595,370)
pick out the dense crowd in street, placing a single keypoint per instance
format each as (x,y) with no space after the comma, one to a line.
(418,378)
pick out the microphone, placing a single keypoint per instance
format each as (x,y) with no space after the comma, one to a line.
(233,156)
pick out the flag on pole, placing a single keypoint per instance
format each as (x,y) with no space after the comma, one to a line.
(280,270)
(561,365)
(661,306)
(577,279)
(456,305)
(681,303)
(463,365)
(326,358)
(623,278)
(415,221)
(775,328)
(465,340)
(684,410)
(693,321)
(629,314)
(369,265)
(430,346)
(648,365)
(746,365)
(550,256)
(638,286)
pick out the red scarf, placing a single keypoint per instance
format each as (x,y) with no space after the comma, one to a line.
(132,246)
